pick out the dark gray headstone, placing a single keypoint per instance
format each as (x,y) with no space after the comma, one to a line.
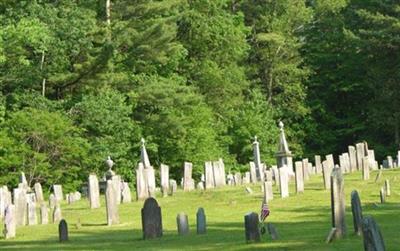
(272,231)
(356,211)
(382,195)
(151,219)
(251,227)
(373,239)
(63,231)
(182,223)
(201,221)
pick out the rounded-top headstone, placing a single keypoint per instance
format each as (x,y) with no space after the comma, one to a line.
(151,219)
(182,223)
(201,221)
(356,211)
(63,230)
(373,239)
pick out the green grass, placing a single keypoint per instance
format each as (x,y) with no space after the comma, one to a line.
(303,221)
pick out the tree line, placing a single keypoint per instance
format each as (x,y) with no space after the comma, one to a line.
(198,79)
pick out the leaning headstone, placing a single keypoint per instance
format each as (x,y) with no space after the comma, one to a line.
(272,231)
(57,214)
(331,235)
(52,201)
(38,192)
(378,176)
(249,190)
(356,210)
(387,188)
(201,221)
(318,164)
(188,182)
(57,189)
(9,222)
(306,174)
(20,202)
(182,224)
(373,239)
(151,219)
(326,173)
(299,177)
(63,231)
(382,195)
(284,182)
(111,204)
(268,193)
(251,227)
(44,214)
(338,203)
(353,158)
(126,193)
(32,220)
(365,168)
(94,192)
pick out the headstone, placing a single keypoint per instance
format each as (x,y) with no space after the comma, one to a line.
(209,175)
(268,193)
(356,211)
(272,231)
(9,222)
(360,154)
(306,175)
(57,189)
(346,159)
(231,179)
(164,176)
(390,161)
(126,193)
(111,204)
(326,174)
(151,219)
(20,202)
(57,214)
(52,201)
(385,163)
(378,176)
(284,182)
(382,195)
(251,227)
(200,185)
(182,223)
(330,161)
(331,235)
(398,158)
(172,186)
(372,161)
(32,220)
(201,221)
(269,175)
(63,231)
(249,190)
(275,173)
(188,182)
(142,191)
(94,192)
(117,182)
(318,164)
(353,158)
(150,177)
(299,177)
(237,178)
(23,181)
(246,179)
(5,200)
(257,159)
(222,171)
(253,173)
(38,192)
(373,239)
(44,214)
(387,188)
(338,203)
(365,168)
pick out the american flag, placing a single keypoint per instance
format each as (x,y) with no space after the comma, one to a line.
(264,212)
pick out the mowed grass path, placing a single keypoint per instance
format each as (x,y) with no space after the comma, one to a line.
(303,221)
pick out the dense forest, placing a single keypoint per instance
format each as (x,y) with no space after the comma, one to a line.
(198,79)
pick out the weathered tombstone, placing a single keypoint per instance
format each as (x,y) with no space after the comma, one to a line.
(373,239)
(32,220)
(253,173)
(20,202)
(257,159)
(142,191)
(338,203)
(306,174)
(387,188)
(251,227)
(172,186)
(164,175)
(326,173)
(57,189)
(201,221)
(249,190)
(353,158)
(356,210)
(299,177)
(151,219)
(38,192)
(200,185)
(188,182)
(237,178)
(378,176)
(272,231)
(231,179)
(209,175)
(365,168)
(330,161)
(398,158)
(268,194)
(23,183)
(44,214)
(372,161)
(346,159)
(63,231)
(246,179)
(390,161)
(57,216)
(318,164)
(126,193)
(284,182)
(111,204)
(182,224)
(269,176)
(150,177)
(360,154)
(222,171)
(10,223)
(94,192)
(275,173)
(382,195)
(116,179)
(52,201)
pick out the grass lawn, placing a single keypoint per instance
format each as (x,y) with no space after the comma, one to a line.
(303,221)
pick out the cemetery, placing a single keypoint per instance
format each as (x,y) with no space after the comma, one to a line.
(200,125)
